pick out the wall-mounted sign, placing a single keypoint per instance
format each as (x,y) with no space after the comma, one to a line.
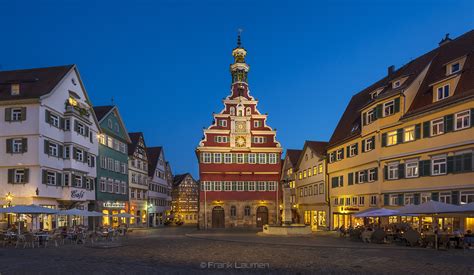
(77,194)
(114,204)
(350,209)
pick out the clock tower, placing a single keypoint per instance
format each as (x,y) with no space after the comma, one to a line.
(239,159)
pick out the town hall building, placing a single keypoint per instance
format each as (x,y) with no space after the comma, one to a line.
(239,160)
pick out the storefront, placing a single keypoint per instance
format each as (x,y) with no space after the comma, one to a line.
(110,209)
(317,219)
(139,209)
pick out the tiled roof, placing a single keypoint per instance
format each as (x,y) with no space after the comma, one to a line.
(153,154)
(293,155)
(101,111)
(135,138)
(319,147)
(178,179)
(350,125)
(459,47)
(34,83)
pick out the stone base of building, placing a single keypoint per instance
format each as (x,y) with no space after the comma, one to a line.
(236,213)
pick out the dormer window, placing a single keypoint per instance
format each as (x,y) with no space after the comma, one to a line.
(15,89)
(454,68)
(396,84)
(442,92)
(375,94)
(355,127)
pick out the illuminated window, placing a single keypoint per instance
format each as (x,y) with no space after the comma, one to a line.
(304,174)
(391,138)
(409,134)
(320,168)
(300,175)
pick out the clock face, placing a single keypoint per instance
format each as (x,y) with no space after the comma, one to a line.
(240,126)
(240,141)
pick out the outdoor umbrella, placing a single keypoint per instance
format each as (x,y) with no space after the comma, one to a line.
(431,207)
(467,207)
(27,209)
(382,212)
(79,212)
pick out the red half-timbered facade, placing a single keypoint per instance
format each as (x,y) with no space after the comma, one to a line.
(239,160)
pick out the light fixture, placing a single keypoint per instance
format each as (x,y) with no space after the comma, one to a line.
(9,198)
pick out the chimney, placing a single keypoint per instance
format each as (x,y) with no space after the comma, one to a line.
(445,40)
(390,70)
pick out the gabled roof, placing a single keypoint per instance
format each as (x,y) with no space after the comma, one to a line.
(153,154)
(318,147)
(349,125)
(293,155)
(134,138)
(178,179)
(102,111)
(34,83)
(456,48)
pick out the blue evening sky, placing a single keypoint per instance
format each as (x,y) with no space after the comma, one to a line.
(166,63)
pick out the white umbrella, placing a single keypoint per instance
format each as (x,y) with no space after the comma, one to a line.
(79,212)
(382,212)
(467,207)
(28,209)
(431,207)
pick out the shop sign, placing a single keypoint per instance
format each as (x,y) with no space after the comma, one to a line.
(77,194)
(114,204)
(349,209)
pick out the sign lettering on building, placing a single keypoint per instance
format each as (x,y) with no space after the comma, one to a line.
(114,204)
(78,195)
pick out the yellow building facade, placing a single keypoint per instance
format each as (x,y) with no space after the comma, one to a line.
(408,139)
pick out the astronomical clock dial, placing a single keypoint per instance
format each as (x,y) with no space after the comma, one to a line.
(240,141)
(240,126)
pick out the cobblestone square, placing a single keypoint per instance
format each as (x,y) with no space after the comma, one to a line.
(186,250)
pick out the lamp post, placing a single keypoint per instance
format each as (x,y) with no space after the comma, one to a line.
(9,198)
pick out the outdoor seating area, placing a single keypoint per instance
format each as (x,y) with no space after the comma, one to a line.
(77,235)
(432,225)
(19,235)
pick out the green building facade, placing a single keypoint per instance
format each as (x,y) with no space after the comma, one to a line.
(112,165)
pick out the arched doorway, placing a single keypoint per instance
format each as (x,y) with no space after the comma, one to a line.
(262,216)
(218,217)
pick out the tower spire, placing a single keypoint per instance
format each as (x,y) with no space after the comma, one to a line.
(239,68)
(239,42)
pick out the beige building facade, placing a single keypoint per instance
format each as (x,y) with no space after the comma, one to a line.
(311,187)
(408,139)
